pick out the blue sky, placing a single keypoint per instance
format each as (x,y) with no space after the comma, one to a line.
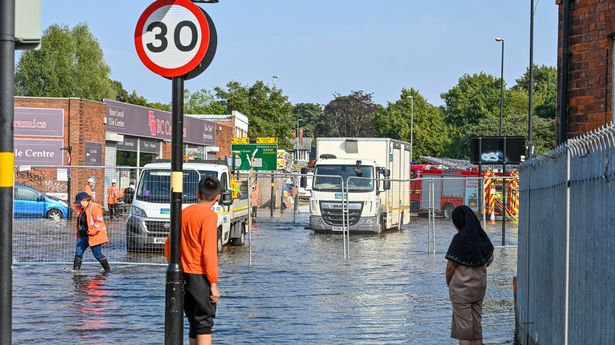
(320,47)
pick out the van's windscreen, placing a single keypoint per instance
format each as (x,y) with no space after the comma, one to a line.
(155,185)
(333,184)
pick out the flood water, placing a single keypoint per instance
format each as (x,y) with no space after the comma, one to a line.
(298,291)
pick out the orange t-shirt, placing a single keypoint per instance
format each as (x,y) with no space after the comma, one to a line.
(199,242)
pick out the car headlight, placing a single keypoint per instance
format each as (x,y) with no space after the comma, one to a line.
(136,211)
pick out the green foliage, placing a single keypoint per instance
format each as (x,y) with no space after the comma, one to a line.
(348,116)
(202,102)
(474,98)
(70,63)
(545,90)
(308,115)
(269,111)
(430,133)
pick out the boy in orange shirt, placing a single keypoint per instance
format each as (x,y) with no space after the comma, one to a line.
(199,261)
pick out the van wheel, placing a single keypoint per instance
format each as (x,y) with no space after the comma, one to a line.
(54,213)
(448,211)
(219,241)
(241,240)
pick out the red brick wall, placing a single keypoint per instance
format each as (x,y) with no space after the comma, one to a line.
(224,133)
(590,88)
(83,121)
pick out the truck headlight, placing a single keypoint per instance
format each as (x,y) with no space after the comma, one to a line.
(368,220)
(136,211)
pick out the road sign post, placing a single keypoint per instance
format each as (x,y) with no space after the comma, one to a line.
(175,39)
(7,63)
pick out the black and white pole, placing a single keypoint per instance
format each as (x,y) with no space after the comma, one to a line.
(7,63)
(174,306)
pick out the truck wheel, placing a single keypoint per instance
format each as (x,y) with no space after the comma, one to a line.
(219,241)
(448,211)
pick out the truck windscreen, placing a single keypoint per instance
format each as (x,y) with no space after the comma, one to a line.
(333,184)
(155,186)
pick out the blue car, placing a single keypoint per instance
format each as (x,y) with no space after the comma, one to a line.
(30,203)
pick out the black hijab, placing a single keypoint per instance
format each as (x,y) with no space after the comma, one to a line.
(471,245)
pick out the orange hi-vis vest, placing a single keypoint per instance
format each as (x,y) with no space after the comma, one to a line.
(97,230)
(112,195)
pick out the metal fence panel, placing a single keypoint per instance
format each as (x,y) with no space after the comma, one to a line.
(550,311)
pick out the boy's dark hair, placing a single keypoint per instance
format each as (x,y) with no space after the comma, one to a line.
(209,188)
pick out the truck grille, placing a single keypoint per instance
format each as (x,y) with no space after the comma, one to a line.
(158,228)
(332,213)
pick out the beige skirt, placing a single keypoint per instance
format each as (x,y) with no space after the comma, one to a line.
(467,321)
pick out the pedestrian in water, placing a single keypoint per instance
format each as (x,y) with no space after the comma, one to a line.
(469,255)
(113,194)
(199,261)
(91,231)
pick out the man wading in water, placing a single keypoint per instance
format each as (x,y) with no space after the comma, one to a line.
(199,261)
(468,256)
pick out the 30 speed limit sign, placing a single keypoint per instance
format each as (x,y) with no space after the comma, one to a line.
(173,37)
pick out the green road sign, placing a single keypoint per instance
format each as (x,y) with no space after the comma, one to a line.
(265,156)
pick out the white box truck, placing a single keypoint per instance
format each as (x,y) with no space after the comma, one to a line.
(149,222)
(375,203)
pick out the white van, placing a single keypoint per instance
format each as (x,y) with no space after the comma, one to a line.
(149,222)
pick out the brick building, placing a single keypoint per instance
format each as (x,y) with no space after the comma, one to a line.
(589,92)
(101,134)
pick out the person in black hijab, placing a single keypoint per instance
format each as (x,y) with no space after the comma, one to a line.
(469,255)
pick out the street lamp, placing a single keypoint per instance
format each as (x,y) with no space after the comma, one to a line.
(274,78)
(500,39)
(411,127)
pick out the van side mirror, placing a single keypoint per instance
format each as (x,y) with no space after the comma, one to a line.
(226,198)
(303,179)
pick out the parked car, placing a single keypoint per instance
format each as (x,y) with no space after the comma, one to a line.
(30,203)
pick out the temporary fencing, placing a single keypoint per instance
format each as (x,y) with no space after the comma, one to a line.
(565,262)
(137,220)
(45,220)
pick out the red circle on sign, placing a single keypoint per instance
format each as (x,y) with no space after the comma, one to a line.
(202,49)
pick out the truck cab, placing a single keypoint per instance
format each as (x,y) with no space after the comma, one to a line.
(362,193)
(149,221)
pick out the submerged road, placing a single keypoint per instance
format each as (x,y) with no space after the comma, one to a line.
(299,291)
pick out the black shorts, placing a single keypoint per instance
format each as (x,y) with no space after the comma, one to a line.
(197,304)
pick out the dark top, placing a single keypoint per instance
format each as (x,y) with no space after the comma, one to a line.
(470,246)
(83,224)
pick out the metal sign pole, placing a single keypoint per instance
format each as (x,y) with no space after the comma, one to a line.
(174,304)
(250,214)
(7,82)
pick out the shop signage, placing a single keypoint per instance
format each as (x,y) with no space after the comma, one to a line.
(146,146)
(134,120)
(93,153)
(39,122)
(38,152)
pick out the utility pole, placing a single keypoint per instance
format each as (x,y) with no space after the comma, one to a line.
(530,145)
(7,165)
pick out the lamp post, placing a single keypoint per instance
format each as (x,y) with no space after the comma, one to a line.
(500,39)
(411,128)
(273,79)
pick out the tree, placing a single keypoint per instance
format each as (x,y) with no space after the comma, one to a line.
(516,125)
(545,90)
(308,115)
(430,131)
(348,116)
(474,98)
(70,63)
(202,102)
(269,111)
